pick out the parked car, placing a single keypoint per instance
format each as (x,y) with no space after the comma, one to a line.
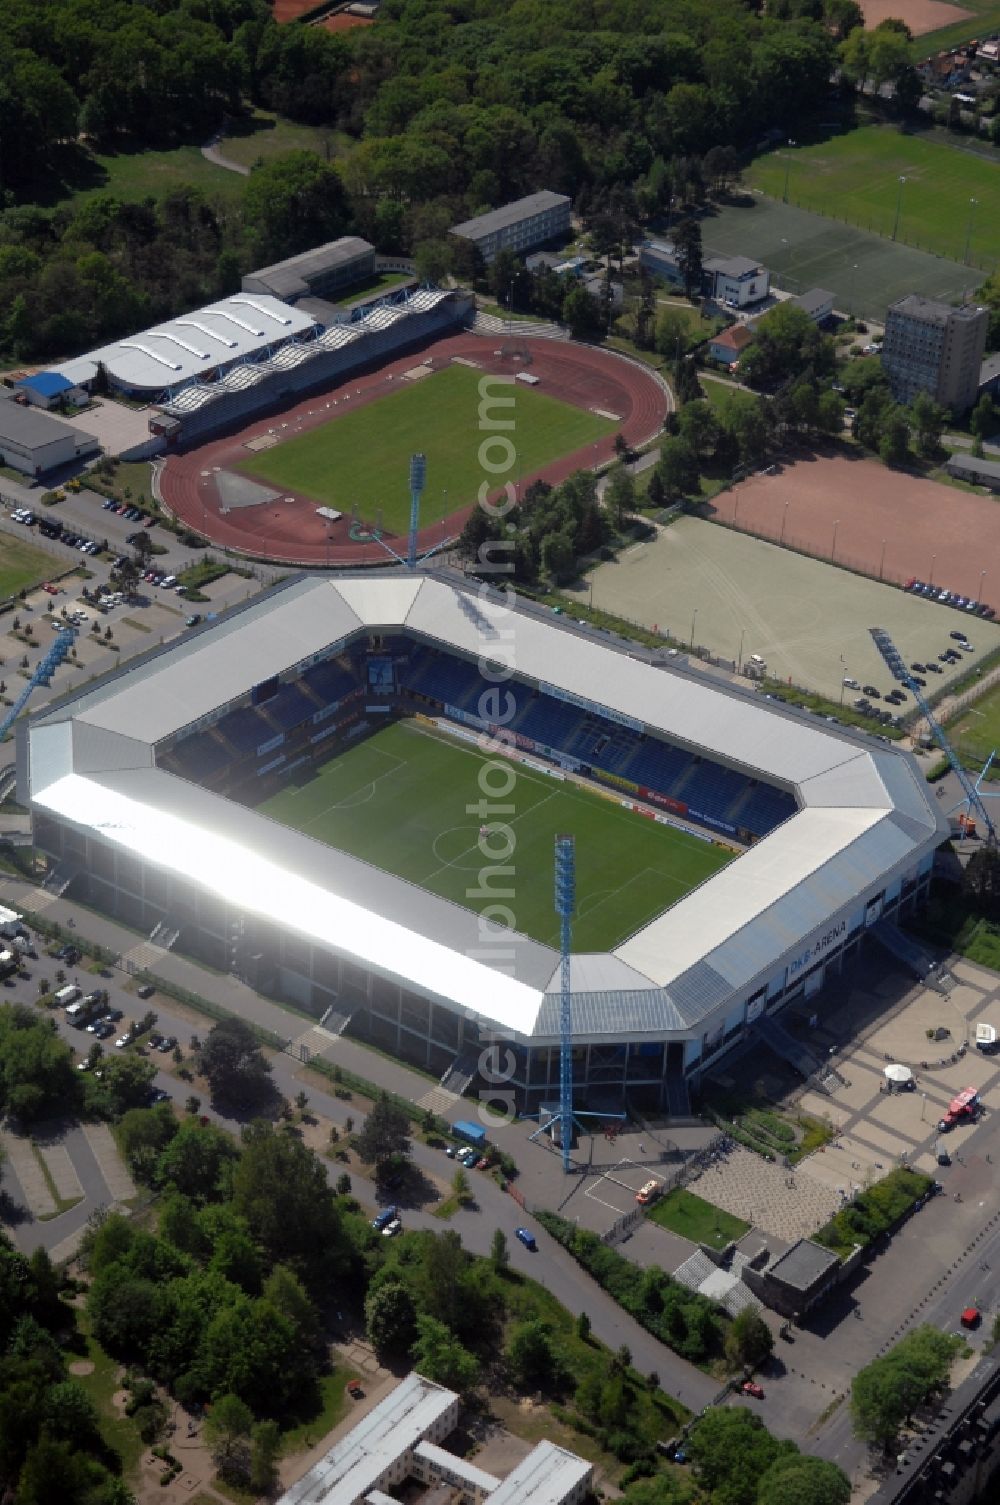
(146,991)
(750,1387)
(526,1237)
(170,1043)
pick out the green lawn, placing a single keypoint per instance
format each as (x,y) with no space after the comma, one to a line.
(77,175)
(262,136)
(855,177)
(399,801)
(21,565)
(360,461)
(695,1219)
(119,1432)
(724,396)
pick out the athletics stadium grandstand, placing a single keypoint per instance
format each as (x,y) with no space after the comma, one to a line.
(291,793)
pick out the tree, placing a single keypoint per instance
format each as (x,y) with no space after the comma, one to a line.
(803,1480)
(125,1082)
(460,1185)
(888,1390)
(196,1160)
(687,247)
(233,1062)
(385,1133)
(439,1356)
(731,1449)
(698,426)
(265,1450)
(749,1339)
(280,1188)
(981,881)
(294,202)
(581,312)
(499,1252)
(677,470)
(583,1327)
(894,444)
(433,260)
(928,419)
(672,331)
(143,1134)
(227,1431)
(531,1358)
(390,1319)
(36,1068)
(983,418)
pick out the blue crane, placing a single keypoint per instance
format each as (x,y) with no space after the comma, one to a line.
(894,660)
(61,644)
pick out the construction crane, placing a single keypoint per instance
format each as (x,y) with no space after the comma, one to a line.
(894,661)
(61,644)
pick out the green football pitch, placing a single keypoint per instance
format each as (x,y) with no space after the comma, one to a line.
(399,801)
(360,461)
(949,200)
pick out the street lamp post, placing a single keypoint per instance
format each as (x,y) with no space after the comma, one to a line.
(982,581)
(836,525)
(694,618)
(788,168)
(881,563)
(781,535)
(739,657)
(968,233)
(899,203)
(842,678)
(930,577)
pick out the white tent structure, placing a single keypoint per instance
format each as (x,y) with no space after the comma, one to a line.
(898,1077)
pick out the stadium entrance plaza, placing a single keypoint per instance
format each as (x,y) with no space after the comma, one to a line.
(881,1019)
(734,594)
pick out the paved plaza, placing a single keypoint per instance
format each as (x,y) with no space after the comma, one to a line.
(788,1204)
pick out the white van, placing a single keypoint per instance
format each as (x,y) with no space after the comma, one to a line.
(67,995)
(77,1012)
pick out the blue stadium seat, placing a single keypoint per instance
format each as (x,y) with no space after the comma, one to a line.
(201,755)
(289,708)
(245,730)
(329,681)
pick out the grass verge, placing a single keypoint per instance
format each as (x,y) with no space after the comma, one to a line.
(695,1219)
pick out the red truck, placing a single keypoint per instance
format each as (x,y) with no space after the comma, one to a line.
(961,1110)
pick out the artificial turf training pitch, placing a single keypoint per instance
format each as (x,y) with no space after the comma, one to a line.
(398,800)
(359,462)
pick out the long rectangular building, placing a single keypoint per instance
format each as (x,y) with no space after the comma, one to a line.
(520,227)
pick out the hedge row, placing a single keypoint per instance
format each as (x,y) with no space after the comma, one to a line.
(875,1211)
(688,1323)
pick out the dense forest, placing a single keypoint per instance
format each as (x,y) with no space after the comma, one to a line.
(441,109)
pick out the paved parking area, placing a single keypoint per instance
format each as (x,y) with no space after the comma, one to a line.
(120,1185)
(28,1173)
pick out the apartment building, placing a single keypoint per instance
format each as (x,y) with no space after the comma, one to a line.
(520,226)
(933,347)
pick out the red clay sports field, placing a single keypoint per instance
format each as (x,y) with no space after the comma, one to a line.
(292,533)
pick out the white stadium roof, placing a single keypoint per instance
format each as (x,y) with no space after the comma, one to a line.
(168,355)
(864,810)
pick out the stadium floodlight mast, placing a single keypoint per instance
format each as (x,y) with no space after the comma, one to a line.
(418,479)
(973,795)
(64,640)
(565,905)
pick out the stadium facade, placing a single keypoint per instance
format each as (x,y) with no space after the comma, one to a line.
(141,792)
(219,365)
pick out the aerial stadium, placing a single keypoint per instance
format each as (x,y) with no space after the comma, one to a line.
(346,793)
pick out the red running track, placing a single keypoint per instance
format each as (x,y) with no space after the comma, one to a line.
(291,533)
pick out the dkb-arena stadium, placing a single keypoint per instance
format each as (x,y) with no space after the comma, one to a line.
(347,794)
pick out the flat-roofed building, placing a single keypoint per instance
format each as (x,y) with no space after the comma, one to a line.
(433,1465)
(550,1475)
(935,348)
(34,442)
(378,1452)
(319,273)
(519,227)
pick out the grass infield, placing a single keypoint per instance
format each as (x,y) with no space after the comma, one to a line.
(855,177)
(22,565)
(360,460)
(976,732)
(399,801)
